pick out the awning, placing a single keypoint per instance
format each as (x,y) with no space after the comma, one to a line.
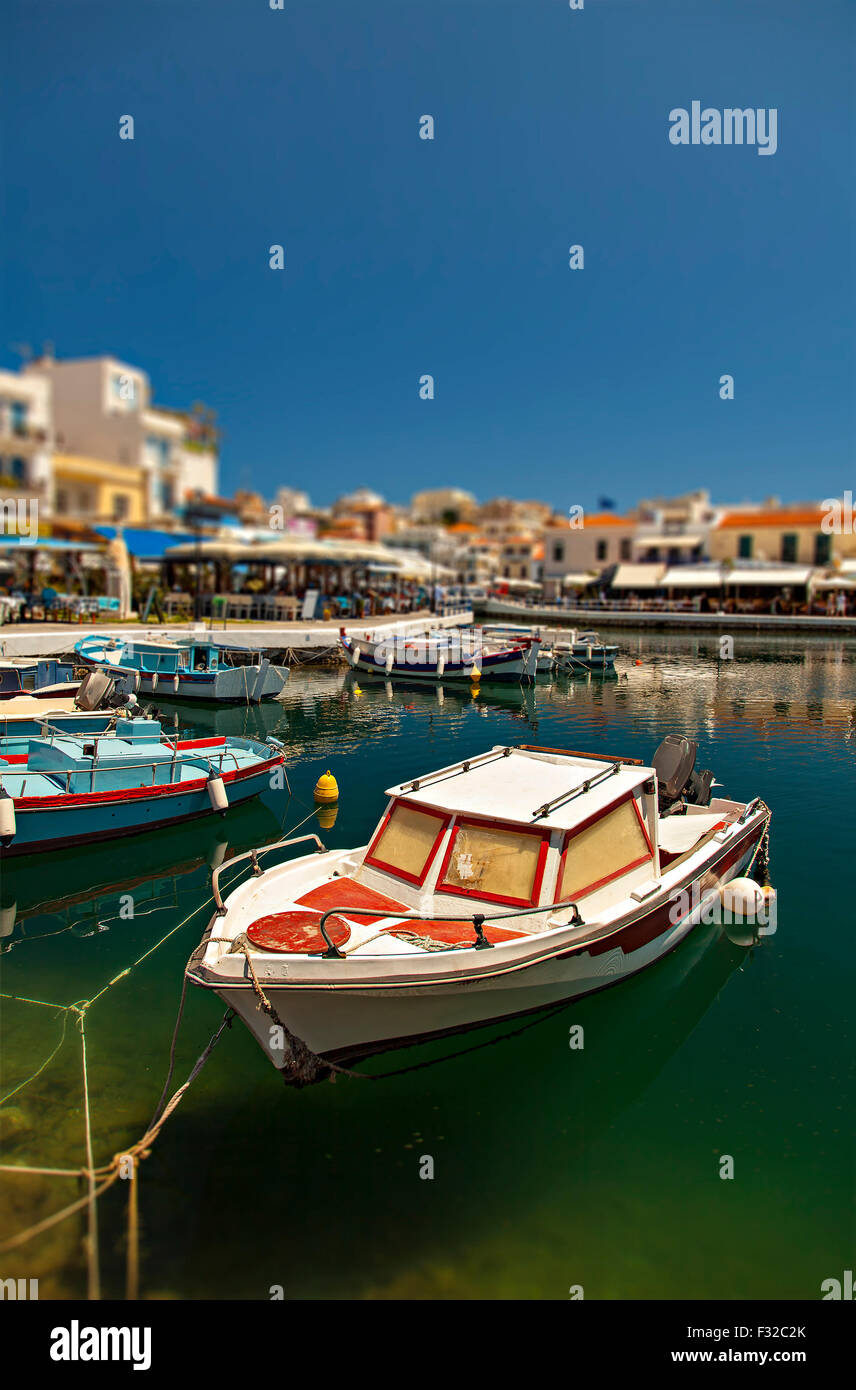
(776,577)
(843,582)
(580,580)
(144,544)
(21,543)
(638,577)
(677,542)
(693,577)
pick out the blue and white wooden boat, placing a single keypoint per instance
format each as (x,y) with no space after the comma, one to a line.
(187,668)
(69,791)
(40,679)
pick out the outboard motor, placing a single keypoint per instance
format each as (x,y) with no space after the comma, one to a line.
(95,689)
(677,780)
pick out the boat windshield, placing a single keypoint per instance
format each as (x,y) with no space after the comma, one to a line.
(492,862)
(406,842)
(605,849)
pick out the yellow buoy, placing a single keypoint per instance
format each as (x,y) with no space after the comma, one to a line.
(475,675)
(357,690)
(327,788)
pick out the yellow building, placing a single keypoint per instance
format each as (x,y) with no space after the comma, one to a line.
(795,535)
(98,490)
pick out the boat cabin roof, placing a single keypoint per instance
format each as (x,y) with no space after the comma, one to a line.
(526,786)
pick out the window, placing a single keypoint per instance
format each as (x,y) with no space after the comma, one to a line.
(18,417)
(602,550)
(603,850)
(121,505)
(407,842)
(822,549)
(558,552)
(626,549)
(790,545)
(744,547)
(487,861)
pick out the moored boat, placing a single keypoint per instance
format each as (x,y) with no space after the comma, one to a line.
(86,706)
(444,655)
(566,652)
(186,668)
(496,886)
(64,790)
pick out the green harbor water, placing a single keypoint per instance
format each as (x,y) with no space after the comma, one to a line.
(553,1167)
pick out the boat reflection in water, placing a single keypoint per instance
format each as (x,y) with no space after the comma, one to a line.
(87,875)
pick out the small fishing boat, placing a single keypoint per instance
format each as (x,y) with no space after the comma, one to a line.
(40,680)
(61,790)
(446,655)
(87,707)
(496,886)
(186,668)
(583,652)
(565,651)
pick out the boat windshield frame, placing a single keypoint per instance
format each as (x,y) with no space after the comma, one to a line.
(444,820)
(542,833)
(571,834)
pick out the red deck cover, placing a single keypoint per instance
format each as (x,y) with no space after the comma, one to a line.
(296,933)
(345,893)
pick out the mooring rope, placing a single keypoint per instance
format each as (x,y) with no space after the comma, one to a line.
(100,1178)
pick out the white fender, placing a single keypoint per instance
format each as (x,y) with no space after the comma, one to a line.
(175,683)
(742,899)
(8,826)
(154,681)
(217,793)
(441,664)
(355,656)
(390,661)
(8,917)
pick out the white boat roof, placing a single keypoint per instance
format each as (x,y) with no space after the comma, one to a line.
(517,784)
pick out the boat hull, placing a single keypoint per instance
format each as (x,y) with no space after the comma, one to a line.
(518,665)
(339,1021)
(234,685)
(86,818)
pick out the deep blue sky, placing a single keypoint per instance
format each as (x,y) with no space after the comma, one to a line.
(405,257)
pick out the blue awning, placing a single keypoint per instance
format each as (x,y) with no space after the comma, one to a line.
(147,545)
(46,543)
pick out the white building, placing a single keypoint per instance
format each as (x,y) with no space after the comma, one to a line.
(26,437)
(102,410)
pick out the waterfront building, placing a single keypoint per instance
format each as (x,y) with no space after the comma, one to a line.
(589,545)
(102,411)
(445,504)
(26,430)
(99,490)
(791,534)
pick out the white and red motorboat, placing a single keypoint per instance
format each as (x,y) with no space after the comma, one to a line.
(494,887)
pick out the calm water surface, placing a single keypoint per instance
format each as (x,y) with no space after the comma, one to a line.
(553,1167)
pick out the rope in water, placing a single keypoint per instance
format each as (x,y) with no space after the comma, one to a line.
(112,1171)
(90,1172)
